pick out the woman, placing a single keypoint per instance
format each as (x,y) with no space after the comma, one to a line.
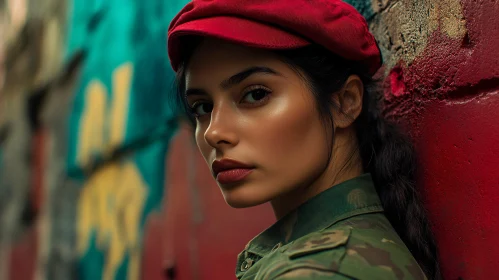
(280,96)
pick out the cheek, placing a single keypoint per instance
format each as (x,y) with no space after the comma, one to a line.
(293,139)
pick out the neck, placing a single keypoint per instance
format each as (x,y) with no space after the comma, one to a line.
(343,167)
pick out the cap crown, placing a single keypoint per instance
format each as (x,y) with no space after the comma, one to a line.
(334,24)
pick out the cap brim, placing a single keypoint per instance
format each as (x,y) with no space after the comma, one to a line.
(234,29)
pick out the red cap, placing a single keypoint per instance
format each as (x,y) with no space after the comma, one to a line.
(278,24)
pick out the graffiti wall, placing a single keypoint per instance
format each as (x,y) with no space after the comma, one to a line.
(86,121)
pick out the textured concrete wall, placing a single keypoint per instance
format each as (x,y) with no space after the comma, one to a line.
(442,81)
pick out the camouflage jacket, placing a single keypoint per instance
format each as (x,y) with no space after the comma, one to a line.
(341,233)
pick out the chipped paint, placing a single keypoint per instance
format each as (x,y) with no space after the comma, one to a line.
(404,27)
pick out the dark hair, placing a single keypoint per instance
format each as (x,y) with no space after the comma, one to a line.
(385,152)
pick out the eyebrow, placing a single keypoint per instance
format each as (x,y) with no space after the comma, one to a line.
(236,79)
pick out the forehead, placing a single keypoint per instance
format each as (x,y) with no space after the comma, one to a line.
(215,60)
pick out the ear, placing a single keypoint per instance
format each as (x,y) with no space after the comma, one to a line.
(348,101)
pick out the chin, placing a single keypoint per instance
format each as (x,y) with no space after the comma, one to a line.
(240,203)
(243,197)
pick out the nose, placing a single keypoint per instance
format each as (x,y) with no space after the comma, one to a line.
(221,132)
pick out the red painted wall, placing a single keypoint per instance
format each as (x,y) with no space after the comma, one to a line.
(203,235)
(460,160)
(449,98)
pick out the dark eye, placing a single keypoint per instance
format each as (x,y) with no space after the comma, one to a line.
(256,95)
(200,109)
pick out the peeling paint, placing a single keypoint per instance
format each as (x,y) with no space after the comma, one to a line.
(404,27)
(448,15)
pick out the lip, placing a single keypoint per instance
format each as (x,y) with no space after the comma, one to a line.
(228,171)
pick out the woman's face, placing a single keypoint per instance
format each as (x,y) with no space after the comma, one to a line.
(254,109)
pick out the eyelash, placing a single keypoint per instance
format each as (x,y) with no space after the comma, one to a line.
(248,90)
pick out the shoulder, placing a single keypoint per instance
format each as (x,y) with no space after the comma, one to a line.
(362,247)
(375,247)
